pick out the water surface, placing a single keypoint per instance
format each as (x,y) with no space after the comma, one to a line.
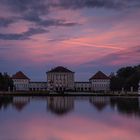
(69,118)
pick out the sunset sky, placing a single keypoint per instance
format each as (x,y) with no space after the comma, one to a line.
(83,35)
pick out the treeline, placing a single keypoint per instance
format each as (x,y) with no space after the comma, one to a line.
(6,82)
(126,78)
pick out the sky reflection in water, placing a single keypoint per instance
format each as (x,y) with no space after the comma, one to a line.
(69,118)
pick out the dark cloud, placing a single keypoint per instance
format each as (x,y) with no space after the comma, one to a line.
(55,22)
(5,22)
(47,22)
(33,10)
(24,6)
(76,4)
(24,35)
(30,10)
(42,6)
(115,4)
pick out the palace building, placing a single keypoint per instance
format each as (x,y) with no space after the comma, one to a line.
(21,81)
(62,79)
(100,82)
(82,86)
(38,86)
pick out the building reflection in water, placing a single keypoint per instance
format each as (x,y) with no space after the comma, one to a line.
(60,105)
(99,102)
(20,102)
(129,106)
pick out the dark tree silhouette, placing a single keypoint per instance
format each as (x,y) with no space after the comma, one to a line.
(126,78)
(5,82)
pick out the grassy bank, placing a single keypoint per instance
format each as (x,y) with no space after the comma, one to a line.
(46,93)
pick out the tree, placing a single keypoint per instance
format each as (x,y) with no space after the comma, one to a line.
(126,77)
(5,82)
(116,83)
(125,72)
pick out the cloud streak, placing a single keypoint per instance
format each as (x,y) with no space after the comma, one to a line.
(48,22)
(23,36)
(118,58)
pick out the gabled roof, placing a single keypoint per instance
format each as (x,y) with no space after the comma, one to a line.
(60,69)
(20,75)
(19,106)
(99,75)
